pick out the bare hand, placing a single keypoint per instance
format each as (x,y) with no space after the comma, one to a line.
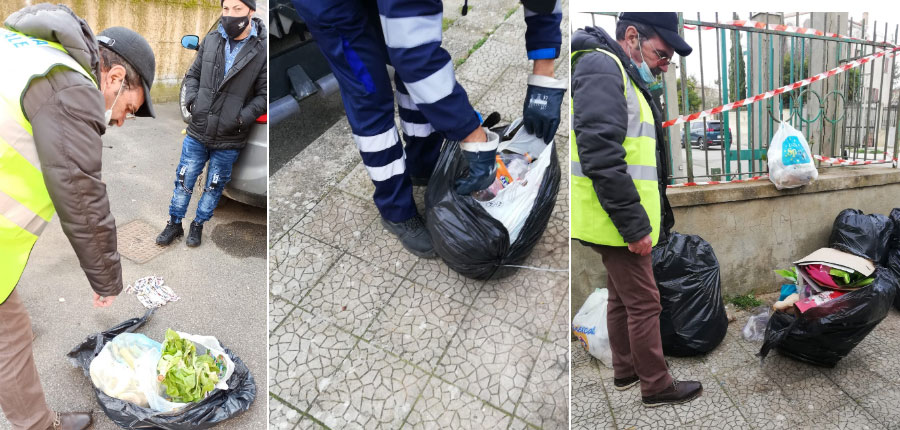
(641,247)
(102,302)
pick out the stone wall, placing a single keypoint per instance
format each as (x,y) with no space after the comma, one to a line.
(161,22)
(755,228)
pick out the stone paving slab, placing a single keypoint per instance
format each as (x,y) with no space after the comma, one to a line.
(739,392)
(364,334)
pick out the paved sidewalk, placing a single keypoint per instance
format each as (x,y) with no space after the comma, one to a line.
(364,334)
(861,392)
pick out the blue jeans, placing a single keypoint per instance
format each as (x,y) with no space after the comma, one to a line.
(194,156)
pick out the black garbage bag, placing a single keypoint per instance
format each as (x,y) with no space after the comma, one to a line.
(693,319)
(217,407)
(826,333)
(866,236)
(466,237)
(894,254)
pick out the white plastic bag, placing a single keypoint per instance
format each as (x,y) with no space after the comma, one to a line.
(589,326)
(755,330)
(790,161)
(204,344)
(121,367)
(513,204)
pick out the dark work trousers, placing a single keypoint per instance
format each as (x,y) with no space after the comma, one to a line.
(633,319)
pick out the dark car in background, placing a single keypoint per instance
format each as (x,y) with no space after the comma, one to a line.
(704,135)
(249,177)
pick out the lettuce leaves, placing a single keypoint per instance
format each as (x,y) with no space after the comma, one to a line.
(186,376)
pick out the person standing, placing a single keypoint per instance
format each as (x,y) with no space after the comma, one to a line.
(226,90)
(618,177)
(66,88)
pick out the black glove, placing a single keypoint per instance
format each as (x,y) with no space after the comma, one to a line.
(543,100)
(482,164)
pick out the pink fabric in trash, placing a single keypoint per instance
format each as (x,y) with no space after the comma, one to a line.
(819,273)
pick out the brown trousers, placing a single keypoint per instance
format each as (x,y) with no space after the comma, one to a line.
(21,395)
(632,316)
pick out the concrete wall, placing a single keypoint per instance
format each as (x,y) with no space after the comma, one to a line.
(755,228)
(161,22)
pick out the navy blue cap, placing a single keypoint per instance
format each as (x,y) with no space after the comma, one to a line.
(134,49)
(665,24)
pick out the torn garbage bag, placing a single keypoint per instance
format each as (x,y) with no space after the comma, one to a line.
(219,406)
(866,236)
(481,239)
(825,334)
(693,319)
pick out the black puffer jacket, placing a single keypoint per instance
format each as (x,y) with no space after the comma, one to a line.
(224,107)
(600,120)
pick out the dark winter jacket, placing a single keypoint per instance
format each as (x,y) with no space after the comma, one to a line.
(600,121)
(66,114)
(223,107)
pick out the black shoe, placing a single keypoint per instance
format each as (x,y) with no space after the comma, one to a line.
(412,235)
(170,233)
(679,392)
(193,239)
(626,383)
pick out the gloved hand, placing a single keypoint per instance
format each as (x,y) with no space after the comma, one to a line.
(482,158)
(542,104)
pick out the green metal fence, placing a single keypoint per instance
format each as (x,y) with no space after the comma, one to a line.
(847,116)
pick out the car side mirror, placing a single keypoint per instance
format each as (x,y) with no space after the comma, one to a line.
(191,42)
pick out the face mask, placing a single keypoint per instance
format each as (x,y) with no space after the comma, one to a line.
(235,25)
(643,69)
(107,117)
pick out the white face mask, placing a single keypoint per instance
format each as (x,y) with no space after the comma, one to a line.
(107,117)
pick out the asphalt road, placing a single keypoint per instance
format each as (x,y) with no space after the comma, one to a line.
(222,284)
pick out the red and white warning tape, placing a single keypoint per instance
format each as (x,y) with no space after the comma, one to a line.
(781,27)
(768,94)
(843,162)
(733,181)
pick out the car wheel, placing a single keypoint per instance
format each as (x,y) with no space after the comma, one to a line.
(702,144)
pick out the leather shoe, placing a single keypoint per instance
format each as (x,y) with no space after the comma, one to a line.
(71,421)
(678,392)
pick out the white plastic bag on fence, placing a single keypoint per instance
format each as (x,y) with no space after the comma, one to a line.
(790,160)
(589,326)
(513,204)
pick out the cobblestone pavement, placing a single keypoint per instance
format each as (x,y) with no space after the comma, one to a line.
(861,392)
(364,334)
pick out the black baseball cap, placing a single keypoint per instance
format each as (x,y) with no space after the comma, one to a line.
(665,24)
(134,49)
(250,3)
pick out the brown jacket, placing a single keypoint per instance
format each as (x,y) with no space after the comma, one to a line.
(66,112)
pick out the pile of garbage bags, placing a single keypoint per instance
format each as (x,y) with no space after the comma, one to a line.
(840,300)
(127,368)
(483,236)
(693,319)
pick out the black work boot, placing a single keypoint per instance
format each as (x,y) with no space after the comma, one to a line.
(193,239)
(170,233)
(412,235)
(678,392)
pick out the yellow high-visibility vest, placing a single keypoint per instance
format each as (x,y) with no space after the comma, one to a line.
(25,206)
(590,222)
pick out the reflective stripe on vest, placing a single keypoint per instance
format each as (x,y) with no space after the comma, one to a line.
(590,222)
(25,205)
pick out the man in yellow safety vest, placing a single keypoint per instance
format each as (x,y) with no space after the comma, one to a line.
(65,88)
(618,175)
